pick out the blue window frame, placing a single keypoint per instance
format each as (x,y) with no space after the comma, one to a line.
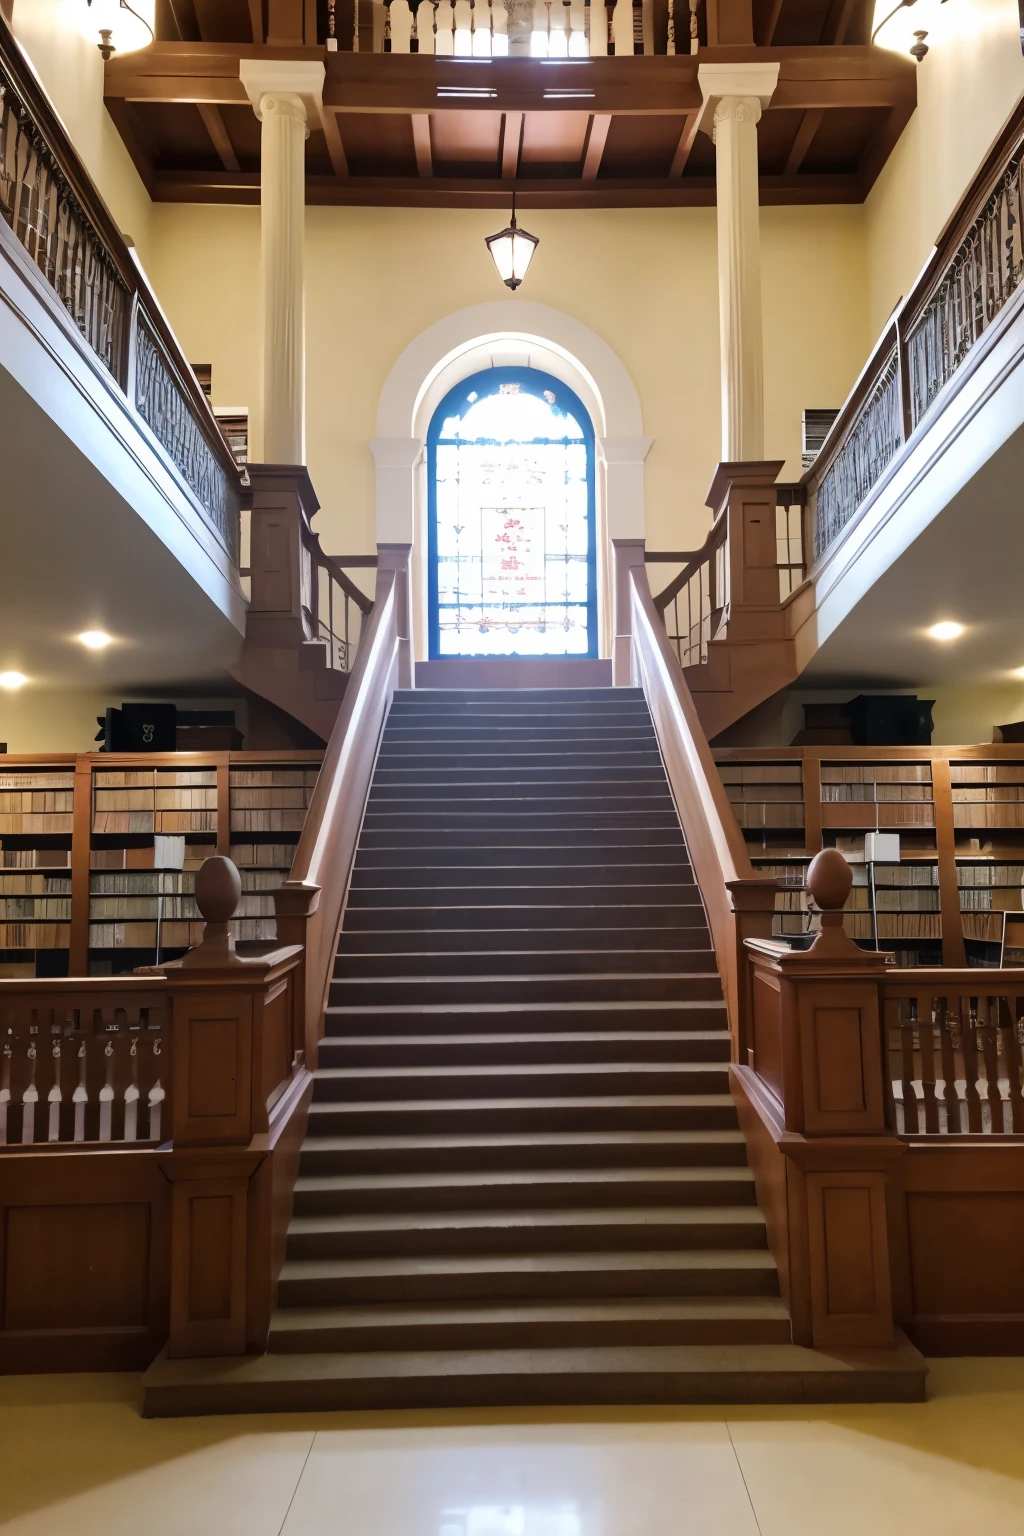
(511,537)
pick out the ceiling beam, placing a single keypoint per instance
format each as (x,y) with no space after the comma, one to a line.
(492,192)
(802,140)
(511,139)
(683,148)
(218,135)
(596,140)
(771,21)
(333,140)
(136,141)
(839,19)
(421,142)
(407,83)
(185,20)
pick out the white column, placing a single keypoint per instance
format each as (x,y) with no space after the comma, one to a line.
(279,92)
(623,460)
(733,97)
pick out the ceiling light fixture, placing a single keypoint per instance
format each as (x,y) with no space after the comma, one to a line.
(512,251)
(12,679)
(903,27)
(120,27)
(95,639)
(947,630)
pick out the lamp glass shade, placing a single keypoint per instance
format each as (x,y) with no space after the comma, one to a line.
(130,23)
(895,26)
(512,251)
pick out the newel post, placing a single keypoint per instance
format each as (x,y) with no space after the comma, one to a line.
(626,554)
(744,494)
(817,1051)
(397,558)
(753,905)
(232,1032)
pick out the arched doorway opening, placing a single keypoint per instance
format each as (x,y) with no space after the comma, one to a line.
(511,519)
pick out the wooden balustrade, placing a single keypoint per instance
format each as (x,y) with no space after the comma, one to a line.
(51,214)
(968,292)
(495,28)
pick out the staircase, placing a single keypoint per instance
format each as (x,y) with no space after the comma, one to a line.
(523,1179)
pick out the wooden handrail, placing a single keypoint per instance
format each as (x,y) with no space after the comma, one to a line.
(73,242)
(738,903)
(703,556)
(332,564)
(310,903)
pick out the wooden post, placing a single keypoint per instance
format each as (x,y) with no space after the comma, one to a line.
(280,555)
(395,557)
(626,554)
(816,1080)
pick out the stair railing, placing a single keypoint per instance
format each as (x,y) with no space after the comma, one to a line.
(311,902)
(739,904)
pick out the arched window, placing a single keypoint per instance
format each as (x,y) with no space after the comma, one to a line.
(511,539)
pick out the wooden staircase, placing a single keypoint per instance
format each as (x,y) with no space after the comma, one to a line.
(523,1179)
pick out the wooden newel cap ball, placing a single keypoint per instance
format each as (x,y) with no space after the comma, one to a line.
(218,889)
(829,880)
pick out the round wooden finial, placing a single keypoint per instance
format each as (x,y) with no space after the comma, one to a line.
(218,889)
(829,880)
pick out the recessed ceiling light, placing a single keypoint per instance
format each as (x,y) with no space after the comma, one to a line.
(947,630)
(12,679)
(95,639)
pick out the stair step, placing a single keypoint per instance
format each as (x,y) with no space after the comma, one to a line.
(454,978)
(597,1112)
(522,1188)
(579,900)
(519,1151)
(707,1320)
(511,1050)
(528,818)
(696,1373)
(522,940)
(561,878)
(509,916)
(538,1081)
(529,1022)
(398,761)
(525,1276)
(523,841)
(418,780)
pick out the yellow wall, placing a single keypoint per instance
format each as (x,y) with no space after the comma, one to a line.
(71,72)
(967,86)
(644,280)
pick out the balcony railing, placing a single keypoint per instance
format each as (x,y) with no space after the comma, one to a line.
(56,216)
(973,281)
(531,28)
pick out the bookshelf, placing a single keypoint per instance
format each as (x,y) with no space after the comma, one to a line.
(36,827)
(959,812)
(99,852)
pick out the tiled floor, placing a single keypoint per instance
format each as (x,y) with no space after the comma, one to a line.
(76,1458)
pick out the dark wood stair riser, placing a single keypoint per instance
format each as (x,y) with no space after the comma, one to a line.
(471,1154)
(410,1118)
(336,1195)
(382,1051)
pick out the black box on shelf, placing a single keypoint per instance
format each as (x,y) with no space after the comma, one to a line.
(891,720)
(139,728)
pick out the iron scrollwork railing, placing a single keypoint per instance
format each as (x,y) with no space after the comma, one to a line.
(984,273)
(40,207)
(164,405)
(873,440)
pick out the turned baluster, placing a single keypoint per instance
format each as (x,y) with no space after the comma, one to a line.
(1013,1039)
(990,1056)
(969,1041)
(926,1040)
(908,1027)
(950,1097)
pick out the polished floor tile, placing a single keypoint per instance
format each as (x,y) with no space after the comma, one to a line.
(628,1479)
(76,1460)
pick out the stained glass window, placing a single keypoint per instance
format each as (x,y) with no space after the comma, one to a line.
(511,524)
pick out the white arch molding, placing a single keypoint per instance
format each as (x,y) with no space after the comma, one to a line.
(507,331)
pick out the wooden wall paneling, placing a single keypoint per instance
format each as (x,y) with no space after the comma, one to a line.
(764,1053)
(811,761)
(84,1260)
(841,1058)
(212,1067)
(851,1294)
(953,951)
(271,1192)
(208,1254)
(81,840)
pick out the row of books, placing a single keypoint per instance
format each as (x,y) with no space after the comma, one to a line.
(988,814)
(267,778)
(36,800)
(981,927)
(160,800)
(153,778)
(986,773)
(879,815)
(143,935)
(164,852)
(876,773)
(846,794)
(42,823)
(35,858)
(263,855)
(270,799)
(769,815)
(268,821)
(989,874)
(40,884)
(34,778)
(150,882)
(108,822)
(895,925)
(35,908)
(992,899)
(135,908)
(35,935)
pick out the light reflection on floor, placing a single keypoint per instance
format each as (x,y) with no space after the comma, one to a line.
(76,1460)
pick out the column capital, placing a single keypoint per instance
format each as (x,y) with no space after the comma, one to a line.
(624,450)
(288,87)
(747,84)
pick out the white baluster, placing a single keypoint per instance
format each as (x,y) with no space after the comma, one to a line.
(462,22)
(648,25)
(156,1098)
(332,27)
(443,42)
(80,1097)
(29,1100)
(670,42)
(401,26)
(54,1097)
(107,1095)
(499,33)
(131,1098)
(694,42)
(5,1093)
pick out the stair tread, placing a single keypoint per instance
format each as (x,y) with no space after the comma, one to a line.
(512,1179)
(547,977)
(528,1217)
(525,1263)
(300,1319)
(626,1101)
(502,1070)
(548,1037)
(444,1140)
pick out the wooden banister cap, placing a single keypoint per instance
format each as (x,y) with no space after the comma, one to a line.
(741,472)
(218,890)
